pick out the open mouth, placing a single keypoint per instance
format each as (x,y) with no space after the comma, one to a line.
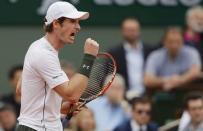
(72,35)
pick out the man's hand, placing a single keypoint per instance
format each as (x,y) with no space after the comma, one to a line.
(67,106)
(91,47)
(172,82)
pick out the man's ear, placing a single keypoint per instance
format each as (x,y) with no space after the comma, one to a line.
(55,24)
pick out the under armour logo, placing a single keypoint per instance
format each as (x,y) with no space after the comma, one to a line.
(86,66)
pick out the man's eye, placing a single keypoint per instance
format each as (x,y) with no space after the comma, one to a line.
(72,21)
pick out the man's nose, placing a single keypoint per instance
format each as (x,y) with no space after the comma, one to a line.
(77,27)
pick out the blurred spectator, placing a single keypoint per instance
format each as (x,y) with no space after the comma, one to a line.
(194,21)
(141,114)
(13,99)
(85,121)
(173,65)
(110,109)
(193,34)
(8,117)
(168,69)
(184,121)
(68,68)
(130,55)
(194,106)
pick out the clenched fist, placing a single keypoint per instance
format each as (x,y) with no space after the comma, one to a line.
(91,47)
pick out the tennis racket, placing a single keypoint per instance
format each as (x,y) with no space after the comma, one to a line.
(104,65)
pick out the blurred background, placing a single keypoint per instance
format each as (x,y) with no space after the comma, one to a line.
(21,23)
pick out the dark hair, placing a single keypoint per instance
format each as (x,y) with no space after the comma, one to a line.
(13,70)
(192,96)
(170,29)
(138,100)
(129,19)
(49,27)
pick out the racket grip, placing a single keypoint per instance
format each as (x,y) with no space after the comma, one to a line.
(72,109)
(69,115)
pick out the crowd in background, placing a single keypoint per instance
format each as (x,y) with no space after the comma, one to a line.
(149,88)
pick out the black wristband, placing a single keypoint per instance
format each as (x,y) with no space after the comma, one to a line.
(87,63)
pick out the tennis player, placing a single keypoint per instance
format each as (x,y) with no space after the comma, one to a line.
(44,84)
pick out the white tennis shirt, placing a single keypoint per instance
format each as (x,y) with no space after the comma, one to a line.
(40,104)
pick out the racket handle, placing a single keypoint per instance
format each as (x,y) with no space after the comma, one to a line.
(69,115)
(72,109)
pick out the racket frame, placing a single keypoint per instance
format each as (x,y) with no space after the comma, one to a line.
(85,101)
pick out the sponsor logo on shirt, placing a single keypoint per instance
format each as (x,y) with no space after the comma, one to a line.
(57,76)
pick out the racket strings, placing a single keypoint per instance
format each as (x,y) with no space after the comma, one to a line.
(94,84)
(98,76)
(102,68)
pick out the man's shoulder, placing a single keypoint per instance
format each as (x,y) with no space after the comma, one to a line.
(157,53)
(123,126)
(152,126)
(35,47)
(188,49)
(37,44)
(117,47)
(37,56)
(39,49)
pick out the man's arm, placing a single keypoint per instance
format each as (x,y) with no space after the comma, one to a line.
(193,73)
(73,89)
(153,81)
(195,67)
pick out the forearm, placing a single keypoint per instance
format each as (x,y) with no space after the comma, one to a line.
(153,81)
(79,81)
(76,86)
(73,89)
(191,75)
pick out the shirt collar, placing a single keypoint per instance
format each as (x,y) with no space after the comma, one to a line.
(178,55)
(128,47)
(200,126)
(49,46)
(136,127)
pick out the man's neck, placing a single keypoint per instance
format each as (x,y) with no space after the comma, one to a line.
(136,122)
(195,124)
(137,125)
(133,44)
(172,56)
(54,41)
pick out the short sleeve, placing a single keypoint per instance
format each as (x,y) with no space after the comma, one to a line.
(194,57)
(151,64)
(48,67)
